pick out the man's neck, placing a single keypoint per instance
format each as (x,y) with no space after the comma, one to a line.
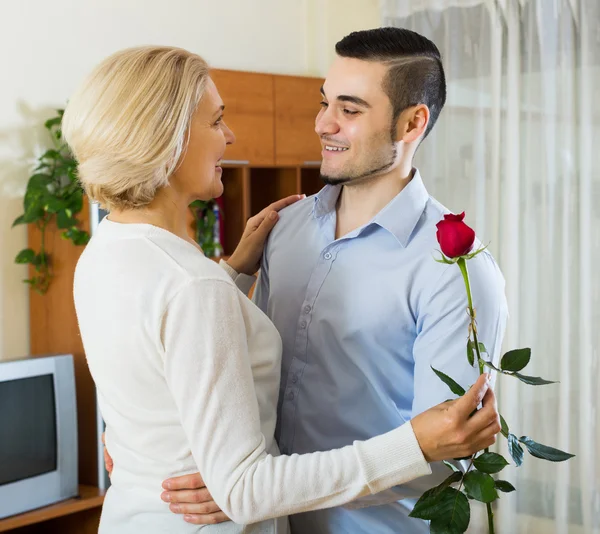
(359,203)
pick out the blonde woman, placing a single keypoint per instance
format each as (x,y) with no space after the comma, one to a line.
(187,368)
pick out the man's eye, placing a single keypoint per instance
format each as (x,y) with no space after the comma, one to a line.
(350,112)
(324,104)
(219,121)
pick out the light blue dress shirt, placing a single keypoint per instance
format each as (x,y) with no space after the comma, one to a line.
(363,318)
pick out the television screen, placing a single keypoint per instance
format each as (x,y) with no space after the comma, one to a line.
(27,418)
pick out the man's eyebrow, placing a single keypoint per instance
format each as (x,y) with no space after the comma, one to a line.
(220,110)
(349,98)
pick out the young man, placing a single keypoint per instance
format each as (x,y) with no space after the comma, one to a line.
(349,279)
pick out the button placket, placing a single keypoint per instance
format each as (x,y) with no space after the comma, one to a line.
(291,394)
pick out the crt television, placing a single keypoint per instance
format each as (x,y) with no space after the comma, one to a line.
(38,428)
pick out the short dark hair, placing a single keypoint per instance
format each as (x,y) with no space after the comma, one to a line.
(415,75)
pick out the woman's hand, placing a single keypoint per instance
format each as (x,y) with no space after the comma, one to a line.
(246,257)
(449,431)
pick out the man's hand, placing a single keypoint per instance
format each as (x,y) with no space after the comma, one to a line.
(188,495)
(246,257)
(108,462)
(449,431)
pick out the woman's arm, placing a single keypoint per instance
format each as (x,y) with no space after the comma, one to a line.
(208,370)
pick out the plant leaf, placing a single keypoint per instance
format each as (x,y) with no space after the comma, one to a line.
(25,256)
(50,123)
(504,486)
(456,388)
(450,508)
(482,348)
(492,366)
(439,526)
(470,356)
(19,220)
(54,204)
(451,466)
(504,428)
(515,360)
(64,220)
(480,486)
(490,462)
(544,451)
(432,496)
(516,451)
(533,380)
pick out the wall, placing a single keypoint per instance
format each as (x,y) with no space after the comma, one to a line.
(47,47)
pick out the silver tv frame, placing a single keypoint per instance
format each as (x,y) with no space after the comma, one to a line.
(41,490)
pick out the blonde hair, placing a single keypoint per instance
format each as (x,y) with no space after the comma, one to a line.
(127,123)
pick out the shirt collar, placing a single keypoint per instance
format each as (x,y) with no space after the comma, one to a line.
(399,217)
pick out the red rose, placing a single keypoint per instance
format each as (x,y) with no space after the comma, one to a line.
(454,236)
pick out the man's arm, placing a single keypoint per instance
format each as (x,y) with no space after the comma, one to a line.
(441,342)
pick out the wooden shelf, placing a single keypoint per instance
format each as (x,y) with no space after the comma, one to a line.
(89,497)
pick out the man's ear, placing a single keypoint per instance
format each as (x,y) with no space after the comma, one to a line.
(412,123)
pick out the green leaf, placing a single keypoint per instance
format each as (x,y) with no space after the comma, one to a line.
(492,366)
(490,462)
(450,508)
(470,355)
(456,388)
(64,220)
(40,259)
(50,154)
(504,427)
(432,496)
(544,451)
(451,466)
(39,182)
(76,201)
(25,256)
(516,451)
(480,486)
(515,360)
(482,348)
(19,220)
(533,380)
(50,123)
(54,204)
(504,486)
(439,526)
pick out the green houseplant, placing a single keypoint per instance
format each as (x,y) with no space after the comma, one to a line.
(53,193)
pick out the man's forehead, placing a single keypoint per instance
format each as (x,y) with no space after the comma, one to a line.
(350,76)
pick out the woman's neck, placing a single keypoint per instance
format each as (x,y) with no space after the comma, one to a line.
(167,211)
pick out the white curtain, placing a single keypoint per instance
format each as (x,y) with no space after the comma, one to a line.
(518,148)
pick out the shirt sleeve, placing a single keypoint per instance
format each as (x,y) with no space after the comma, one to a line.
(208,370)
(262,289)
(244,282)
(441,342)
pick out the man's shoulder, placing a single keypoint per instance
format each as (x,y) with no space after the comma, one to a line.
(294,217)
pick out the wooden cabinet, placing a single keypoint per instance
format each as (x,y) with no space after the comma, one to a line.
(249,110)
(296,106)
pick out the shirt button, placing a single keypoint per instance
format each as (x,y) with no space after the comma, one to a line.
(327,255)
(307,309)
(291,395)
(294,379)
(303,324)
